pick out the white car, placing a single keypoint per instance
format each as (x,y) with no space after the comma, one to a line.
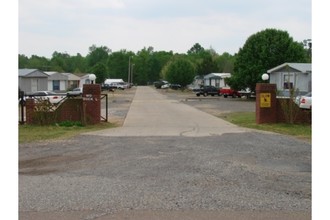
(75,92)
(119,85)
(305,101)
(52,97)
(165,86)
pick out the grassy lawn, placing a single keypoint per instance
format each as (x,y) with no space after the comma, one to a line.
(31,133)
(248,120)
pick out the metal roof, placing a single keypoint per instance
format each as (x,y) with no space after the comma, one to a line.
(24,72)
(57,76)
(31,73)
(300,67)
(217,75)
(71,76)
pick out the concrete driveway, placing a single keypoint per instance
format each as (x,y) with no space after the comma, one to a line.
(153,114)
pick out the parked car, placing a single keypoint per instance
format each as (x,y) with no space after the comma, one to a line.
(52,97)
(226,91)
(175,86)
(108,87)
(207,90)
(122,85)
(158,84)
(304,101)
(165,86)
(75,92)
(118,85)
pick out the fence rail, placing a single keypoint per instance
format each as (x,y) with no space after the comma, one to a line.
(22,107)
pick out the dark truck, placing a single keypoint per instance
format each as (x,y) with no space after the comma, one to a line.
(207,90)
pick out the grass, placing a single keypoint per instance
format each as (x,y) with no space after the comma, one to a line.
(32,133)
(248,120)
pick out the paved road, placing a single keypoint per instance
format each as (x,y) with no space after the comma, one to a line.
(190,166)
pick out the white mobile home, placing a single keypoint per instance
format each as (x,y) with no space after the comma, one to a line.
(288,76)
(32,80)
(216,79)
(56,81)
(84,79)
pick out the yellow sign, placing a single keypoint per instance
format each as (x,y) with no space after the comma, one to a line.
(265,100)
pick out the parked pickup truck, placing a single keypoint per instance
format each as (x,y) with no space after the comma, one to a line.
(226,91)
(207,90)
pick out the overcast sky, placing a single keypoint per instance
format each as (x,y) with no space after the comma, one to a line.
(72,26)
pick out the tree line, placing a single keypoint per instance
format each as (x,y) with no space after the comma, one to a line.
(261,51)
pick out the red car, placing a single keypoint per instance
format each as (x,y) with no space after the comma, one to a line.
(226,91)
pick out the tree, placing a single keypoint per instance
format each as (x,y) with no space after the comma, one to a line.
(118,64)
(41,63)
(145,68)
(59,62)
(78,63)
(23,61)
(97,54)
(225,63)
(157,61)
(196,49)
(179,71)
(207,65)
(261,52)
(99,70)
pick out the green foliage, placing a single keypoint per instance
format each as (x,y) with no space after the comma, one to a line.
(118,64)
(207,64)
(97,55)
(34,62)
(196,49)
(147,65)
(208,61)
(179,71)
(70,124)
(33,133)
(225,63)
(99,70)
(23,61)
(43,112)
(261,52)
(248,119)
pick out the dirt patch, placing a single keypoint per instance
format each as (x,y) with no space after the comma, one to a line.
(49,164)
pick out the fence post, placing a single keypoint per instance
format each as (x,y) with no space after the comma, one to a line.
(265,103)
(92,103)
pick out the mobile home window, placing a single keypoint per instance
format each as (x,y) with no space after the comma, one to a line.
(287,82)
(56,85)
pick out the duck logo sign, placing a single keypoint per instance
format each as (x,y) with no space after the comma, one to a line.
(265,100)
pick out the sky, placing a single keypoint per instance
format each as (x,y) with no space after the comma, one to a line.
(72,26)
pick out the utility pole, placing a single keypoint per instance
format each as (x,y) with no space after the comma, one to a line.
(132,73)
(129,70)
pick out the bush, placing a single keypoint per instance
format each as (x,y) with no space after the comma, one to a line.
(70,124)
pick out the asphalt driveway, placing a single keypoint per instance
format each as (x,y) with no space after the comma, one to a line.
(182,168)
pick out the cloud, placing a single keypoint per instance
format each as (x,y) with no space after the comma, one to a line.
(74,25)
